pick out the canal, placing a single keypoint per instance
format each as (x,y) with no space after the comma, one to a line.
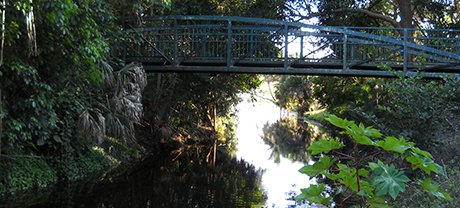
(281,178)
(263,173)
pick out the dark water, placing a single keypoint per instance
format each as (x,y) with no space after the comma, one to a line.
(274,148)
(170,181)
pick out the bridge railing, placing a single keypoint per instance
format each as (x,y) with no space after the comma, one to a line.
(231,42)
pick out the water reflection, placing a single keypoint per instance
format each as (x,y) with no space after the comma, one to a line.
(281,180)
(289,139)
(183,179)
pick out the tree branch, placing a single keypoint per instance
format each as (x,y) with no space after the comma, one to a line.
(363,11)
(373,3)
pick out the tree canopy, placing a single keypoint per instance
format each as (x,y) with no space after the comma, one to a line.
(378,13)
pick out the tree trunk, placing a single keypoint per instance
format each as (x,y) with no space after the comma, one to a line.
(405,13)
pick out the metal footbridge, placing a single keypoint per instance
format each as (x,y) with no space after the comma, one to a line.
(253,45)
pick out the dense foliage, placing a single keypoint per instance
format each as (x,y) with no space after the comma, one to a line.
(378,13)
(373,181)
(64,112)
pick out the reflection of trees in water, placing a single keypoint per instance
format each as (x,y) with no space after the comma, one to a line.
(187,181)
(171,181)
(290,139)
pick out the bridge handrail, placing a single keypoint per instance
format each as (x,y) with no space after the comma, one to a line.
(274,22)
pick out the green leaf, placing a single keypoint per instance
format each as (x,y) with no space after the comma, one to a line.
(318,167)
(331,176)
(425,164)
(395,145)
(389,180)
(336,121)
(40,141)
(433,189)
(364,140)
(359,134)
(442,195)
(363,173)
(377,202)
(428,186)
(373,166)
(313,195)
(369,131)
(362,193)
(421,152)
(57,138)
(324,146)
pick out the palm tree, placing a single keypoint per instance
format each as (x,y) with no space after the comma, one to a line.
(122,94)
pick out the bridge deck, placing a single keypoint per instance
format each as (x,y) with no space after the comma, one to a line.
(251,45)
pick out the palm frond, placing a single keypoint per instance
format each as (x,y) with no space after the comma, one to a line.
(119,126)
(107,78)
(128,106)
(93,124)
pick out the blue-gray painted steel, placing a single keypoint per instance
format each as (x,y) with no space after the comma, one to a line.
(254,45)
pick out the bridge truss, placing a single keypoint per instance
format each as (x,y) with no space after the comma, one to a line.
(253,45)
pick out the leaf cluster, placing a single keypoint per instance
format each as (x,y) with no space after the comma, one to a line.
(374,182)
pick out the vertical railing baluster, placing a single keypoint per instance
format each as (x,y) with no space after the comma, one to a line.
(458,50)
(405,52)
(286,41)
(203,37)
(252,43)
(345,40)
(176,44)
(301,47)
(229,47)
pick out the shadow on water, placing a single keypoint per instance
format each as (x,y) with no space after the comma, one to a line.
(179,179)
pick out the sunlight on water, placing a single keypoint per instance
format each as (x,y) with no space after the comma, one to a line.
(278,179)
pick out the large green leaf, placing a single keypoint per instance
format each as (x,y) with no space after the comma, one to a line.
(422,152)
(433,189)
(428,186)
(336,121)
(389,180)
(361,134)
(324,146)
(425,164)
(370,131)
(313,194)
(318,167)
(395,145)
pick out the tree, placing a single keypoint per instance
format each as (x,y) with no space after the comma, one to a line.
(271,9)
(377,13)
(51,77)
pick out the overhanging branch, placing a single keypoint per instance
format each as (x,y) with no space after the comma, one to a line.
(363,11)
